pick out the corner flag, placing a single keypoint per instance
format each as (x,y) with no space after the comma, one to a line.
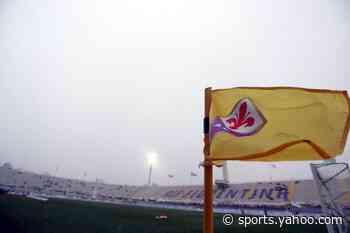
(277,124)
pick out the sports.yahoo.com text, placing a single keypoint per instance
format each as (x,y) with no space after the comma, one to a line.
(228,219)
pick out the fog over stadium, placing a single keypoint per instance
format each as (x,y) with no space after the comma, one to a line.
(93,86)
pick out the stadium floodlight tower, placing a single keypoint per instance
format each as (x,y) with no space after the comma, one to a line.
(152,161)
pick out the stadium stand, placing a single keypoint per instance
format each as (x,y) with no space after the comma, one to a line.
(248,198)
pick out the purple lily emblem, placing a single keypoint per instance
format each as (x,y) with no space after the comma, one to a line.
(244,120)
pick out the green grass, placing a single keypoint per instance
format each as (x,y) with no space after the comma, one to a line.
(18,214)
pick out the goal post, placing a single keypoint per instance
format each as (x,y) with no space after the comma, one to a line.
(333,183)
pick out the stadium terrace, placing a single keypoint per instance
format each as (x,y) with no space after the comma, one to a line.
(273,198)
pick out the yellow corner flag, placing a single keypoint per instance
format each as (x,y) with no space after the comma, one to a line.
(277,123)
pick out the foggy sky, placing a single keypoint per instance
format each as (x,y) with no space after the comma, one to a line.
(93,86)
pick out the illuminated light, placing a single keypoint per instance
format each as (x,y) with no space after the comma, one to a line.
(152,158)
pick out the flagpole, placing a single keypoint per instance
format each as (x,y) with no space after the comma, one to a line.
(208,217)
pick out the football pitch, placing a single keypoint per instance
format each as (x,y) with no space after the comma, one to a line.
(22,215)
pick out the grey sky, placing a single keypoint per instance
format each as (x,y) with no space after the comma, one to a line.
(94,85)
